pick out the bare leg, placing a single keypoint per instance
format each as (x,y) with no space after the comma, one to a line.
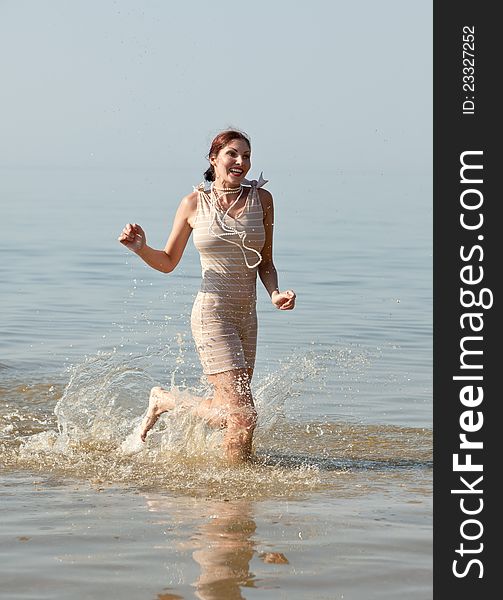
(159,402)
(231,408)
(212,412)
(233,397)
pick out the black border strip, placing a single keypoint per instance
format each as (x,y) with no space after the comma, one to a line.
(459,536)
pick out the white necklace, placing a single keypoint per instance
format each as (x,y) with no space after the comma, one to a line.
(226,230)
(228,190)
(216,200)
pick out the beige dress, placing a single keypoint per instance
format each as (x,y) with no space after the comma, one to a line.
(224,318)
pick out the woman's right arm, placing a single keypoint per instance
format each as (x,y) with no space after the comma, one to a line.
(134,238)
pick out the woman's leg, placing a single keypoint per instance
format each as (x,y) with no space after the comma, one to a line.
(233,400)
(159,402)
(231,407)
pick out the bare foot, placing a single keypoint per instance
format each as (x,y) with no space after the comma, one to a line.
(159,402)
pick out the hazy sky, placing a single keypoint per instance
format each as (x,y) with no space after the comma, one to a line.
(319,83)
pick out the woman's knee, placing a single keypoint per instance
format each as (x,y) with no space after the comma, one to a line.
(242,418)
(232,391)
(232,384)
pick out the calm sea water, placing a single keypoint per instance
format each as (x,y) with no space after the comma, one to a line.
(343,386)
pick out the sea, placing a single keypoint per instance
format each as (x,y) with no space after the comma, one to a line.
(337,501)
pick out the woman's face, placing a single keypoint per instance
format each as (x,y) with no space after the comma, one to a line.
(232,163)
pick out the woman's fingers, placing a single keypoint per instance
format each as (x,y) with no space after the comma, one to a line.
(290,303)
(286,300)
(287,305)
(130,231)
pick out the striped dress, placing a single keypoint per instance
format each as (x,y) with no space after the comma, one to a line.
(224,318)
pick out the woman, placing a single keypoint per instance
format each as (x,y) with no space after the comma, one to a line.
(232,223)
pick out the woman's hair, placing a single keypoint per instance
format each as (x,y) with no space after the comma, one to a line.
(219,142)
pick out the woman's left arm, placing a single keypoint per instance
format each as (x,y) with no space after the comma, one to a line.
(266,270)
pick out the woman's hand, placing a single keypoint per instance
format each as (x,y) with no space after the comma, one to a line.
(133,237)
(284,300)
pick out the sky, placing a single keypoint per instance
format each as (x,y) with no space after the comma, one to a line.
(137,84)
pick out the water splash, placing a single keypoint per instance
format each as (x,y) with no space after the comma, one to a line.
(95,434)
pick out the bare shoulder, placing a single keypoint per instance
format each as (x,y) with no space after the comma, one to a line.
(189,201)
(188,204)
(188,208)
(265,199)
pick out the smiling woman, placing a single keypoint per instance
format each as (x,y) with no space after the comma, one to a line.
(232,220)
(230,161)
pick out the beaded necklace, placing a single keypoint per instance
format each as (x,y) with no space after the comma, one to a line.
(228,190)
(219,215)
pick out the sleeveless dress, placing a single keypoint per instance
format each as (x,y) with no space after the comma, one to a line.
(224,318)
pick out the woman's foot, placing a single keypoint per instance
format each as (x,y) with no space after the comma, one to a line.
(159,402)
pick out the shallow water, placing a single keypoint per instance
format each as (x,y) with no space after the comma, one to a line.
(92,431)
(337,501)
(93,541)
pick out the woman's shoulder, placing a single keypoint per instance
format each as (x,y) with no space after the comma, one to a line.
(191,196)
(187,209)
(265,198)
(190,200)
(188,206)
